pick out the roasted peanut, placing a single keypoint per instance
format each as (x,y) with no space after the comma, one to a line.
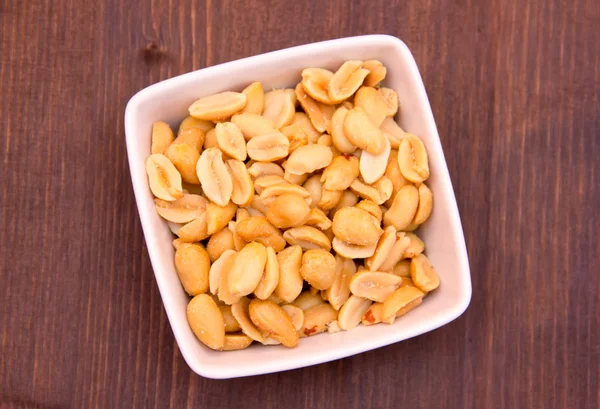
(352,251)
(348,199)
(231,324)
(259,169)
(374,315)
(377,72)
(372,167)
(274,321)
(356,226)
(217,217)
(372,102)
(307,159)
(383,249)
(206,321)
(220,273)
(218,244)
(263,182)
(252,125)
(162,136)
(316,319)
(396,253)
(371,207)
(340,173)
(392,131)
(182,210)
(268,147)
(296,179)
(399,299)
(412,158)
(296,315)
(270,278)
(338,137)
(255,97)
(391,101)
(346,80)
(315,82)
(318,219)
(318,268)
(288,210)
(236,342)
(329,199)
(163,178)
(192,264)
(270,193)
(409,307)
(218,106)
(422,273)
(402,268)
(374,285)
(214,177)
(307,299)
(295,135)
(319,114)
(258,206)
(240,311)
(403,209)
(194,231)
(259,229)
(279,107)
(352,311)
(415,247)
(242,187)
(307,237)
(361,132)
(231,141)
(304,122)
(314,187)
(290,281)
(392,171)
(190,122)
(184,157)
(210,140)
(339,291)
(247,269)
(425,205)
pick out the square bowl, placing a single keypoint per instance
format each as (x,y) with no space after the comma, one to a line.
(442,233)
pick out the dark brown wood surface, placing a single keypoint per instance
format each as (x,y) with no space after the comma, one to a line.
(515,88)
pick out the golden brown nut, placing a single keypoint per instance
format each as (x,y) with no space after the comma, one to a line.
(206,321)
(288,210)
(318,268)
(214,177)
(162,136)
(356,226)
(412,158)
(163,178)
(218,106)
(346,80)
(274,321)
(192,264)
(255,98)
(259,229)
(423,275)
(290,281)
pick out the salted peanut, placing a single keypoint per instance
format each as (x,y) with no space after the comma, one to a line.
(184,157)
(377,72)
(348,199)
(318,219)
(290,281)
(318,268)
(309,158)
(263,182)
(338,137)
(320,114)
(192,264)
(288,210)
(356,226)
(218,106)
(194,231)
(370,207)
(339,291)
(392,132)
(182,210)
(255,97)
(259,169)
(162,136)
(214,177)
(163,178)
(174,227)
(238,242)
(379,192)
(217,217)
(425,205)
(415,247)
(403,209)
(352,251)
(276,299)
(260,230)
(218,244)
(230,140)
(329,199)
(221,268)
(340,173)
(241,214)
(390,97)
(306,300)
(316,319)
(392,171)
(374,315)
(252,125)
(409,307)
(194,123)
(352,311)
(402,268)
(303,121)
(362,133)
(206,321)
(307,237)
(314,187)
(296,180)
(247,269)
(374,285)
(296,315)
(273,321)
(236,342)
(296,135)
(412,158)
(422,273)
(241,312)
(372,167)
(407,281)
(396,252)
(231,324)
(270,278)
(346,80)
(315,82)
(210,140)
(279,107)
(383,249)
(258,207)
(371,101)
(399,299)
(268,147)
(278,189)
(243,188)
(191,136)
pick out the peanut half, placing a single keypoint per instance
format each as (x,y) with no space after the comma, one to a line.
(206,321)
(214,177)
(163,178)
(218,106)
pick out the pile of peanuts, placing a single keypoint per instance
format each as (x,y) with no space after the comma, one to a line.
(295,209)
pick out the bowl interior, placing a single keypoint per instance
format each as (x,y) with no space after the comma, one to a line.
(442,233)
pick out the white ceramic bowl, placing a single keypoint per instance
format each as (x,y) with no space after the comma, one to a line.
(445,246)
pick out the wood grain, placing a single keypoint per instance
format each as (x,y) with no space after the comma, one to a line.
(515,89)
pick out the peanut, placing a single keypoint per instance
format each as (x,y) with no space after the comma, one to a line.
(391,101)
(218,244)
(217,217)
(242,191)
(220,273)
(255,97)
(268,147)
(402,268)
(270,278)
(247,269)
(318,219)
(318,268)
(307,238)
(190,122)
(372,167)
(231,141)
(399,299)
(264,182)
(356,226)
(307,159)
(403,209)
(182,210)
(259,169)
(306,300)
(296,136)
(273,320)
(319,114)
(316,319)
(304,122)
(192,264)
(236,342)
(339,291)
(412,158)
(252,125)
(352,251)
(288,210)
(290,281)
(338,137)
(361,132)
(392,171)
(231,324)
(329,199)
(396,253)
(163,178)
(240,311)
(377,72)
(374,285)
(194,231)
(314,187)
(340,173)
(279,107)
(348,199)
(372,102)
(218,106)
(371,207)
(214,177)
(423,275)
(296,315)
(162,136)
(346,80)
(383,249)
(352,311)
(425,205)
(260,230)
(210,140)
(206,321)
(315,82)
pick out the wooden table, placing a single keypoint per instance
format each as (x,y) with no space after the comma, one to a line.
(515,89)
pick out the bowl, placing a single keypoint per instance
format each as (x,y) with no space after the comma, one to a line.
(442,233)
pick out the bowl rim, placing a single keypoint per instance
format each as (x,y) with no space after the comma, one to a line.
(216,372)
